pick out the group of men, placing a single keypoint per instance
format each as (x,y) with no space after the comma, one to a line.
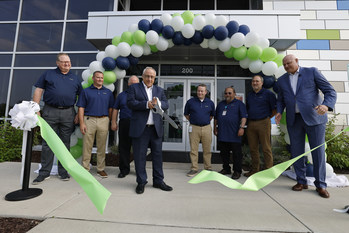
(140,127)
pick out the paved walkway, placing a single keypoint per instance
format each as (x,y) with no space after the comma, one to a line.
(201,208)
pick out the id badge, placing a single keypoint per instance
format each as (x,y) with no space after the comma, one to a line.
(190,129)
(224,112)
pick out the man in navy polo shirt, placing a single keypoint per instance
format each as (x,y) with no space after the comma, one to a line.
(95,107)
(125,141)
(59,88)
(261,106)
(199,111)
(229,126)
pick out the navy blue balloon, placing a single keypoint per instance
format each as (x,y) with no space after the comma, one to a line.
(133,60)
(244,29)
(178,38)
(168,32)
(187,41)
(233,27)
(144,25)
(197,38)
(122,63)
(208,31)
(108,63)
(157,25)
(268,81)
(220,33)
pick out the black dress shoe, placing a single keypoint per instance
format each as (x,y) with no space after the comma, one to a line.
(163,186)
(121,175)
(140,188)
(236,175)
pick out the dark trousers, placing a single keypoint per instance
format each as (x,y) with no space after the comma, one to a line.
(140,147)
(62,122)
(225,148)
(125,143)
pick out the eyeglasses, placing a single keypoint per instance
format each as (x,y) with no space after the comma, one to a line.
(228,93)
(65,62)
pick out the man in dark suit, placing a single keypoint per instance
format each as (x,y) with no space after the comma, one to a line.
(306,113)
(146,128)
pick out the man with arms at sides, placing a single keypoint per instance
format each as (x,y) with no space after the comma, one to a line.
(146,128)
(125,141)
(199,111)
(229,127)
(306,113)
(95,106)
(261,106)
(60,88)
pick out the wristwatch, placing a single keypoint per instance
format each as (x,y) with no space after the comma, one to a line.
(243,127)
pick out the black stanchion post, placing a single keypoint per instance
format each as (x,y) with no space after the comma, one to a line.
(26,192)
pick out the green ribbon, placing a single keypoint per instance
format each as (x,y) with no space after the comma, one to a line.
(256,181)
(94,190)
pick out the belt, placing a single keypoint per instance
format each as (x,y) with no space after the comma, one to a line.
(258,119)
(97,116)
(149,125)
(298,113)
(200,125)
(59,107)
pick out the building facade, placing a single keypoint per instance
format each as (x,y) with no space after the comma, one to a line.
(32,32)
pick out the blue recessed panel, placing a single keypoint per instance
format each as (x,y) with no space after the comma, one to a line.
(343,4)
(313,44)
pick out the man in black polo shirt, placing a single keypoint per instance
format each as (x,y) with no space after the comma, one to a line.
(60,88)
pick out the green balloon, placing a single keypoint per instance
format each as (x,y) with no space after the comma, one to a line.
(153,48)
(176,14)
(188,17)
(85,85)
(116,40)
(240,53)
(109,77)
(254,52)
(79,142)
(229,53)
(278,59)
(76,151)
(268,54)
(139,37)
(127,37)
(90,80)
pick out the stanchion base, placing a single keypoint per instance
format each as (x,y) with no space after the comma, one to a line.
(21,194)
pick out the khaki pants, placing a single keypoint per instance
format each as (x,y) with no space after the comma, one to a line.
(98,127)
(205,135)
(259,132)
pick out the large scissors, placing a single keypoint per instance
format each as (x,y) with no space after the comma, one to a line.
(161,112)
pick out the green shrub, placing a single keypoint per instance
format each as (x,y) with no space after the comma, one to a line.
(10,142)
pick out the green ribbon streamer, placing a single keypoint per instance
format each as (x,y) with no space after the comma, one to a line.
(94,190)
(256,181)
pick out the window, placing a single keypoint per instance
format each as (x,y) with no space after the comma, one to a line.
(81,60)
(7,37)
(4,80)
(9,10)
(43,9)
(75,38)
(232,71)
(35,60)
(201,5)
(141,5)
(5,60)
(40,37)
(175,5)
(78,9)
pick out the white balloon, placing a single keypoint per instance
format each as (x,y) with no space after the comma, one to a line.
(329,170)
(256,66)
(111,87)
(251,39)
(245,63)
(152,37)
(166,19)
(100,56)
(111,51)
(162,44)
(213,43)
(204,44)
(177,23)
(124,49)
(279,71)
(188,31)
(96,66)
(146,49)
(85,74)
(210,18)
(133,27)
(269,68)
(199,22)
(170,43)
(73,140)
(306,149)
(78,133)
(82,84)
(119,73)
(220,20)
(136,50)
(237,40)
(224,45)
(263,42)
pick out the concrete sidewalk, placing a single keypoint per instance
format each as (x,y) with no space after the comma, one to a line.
(207,207)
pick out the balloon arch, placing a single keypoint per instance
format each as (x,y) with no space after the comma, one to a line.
(209,31)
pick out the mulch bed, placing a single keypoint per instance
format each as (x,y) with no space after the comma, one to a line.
(17,225)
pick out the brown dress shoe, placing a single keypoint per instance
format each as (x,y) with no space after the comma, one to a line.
(299,187)
(323,192)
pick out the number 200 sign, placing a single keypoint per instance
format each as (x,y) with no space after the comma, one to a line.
(187,70)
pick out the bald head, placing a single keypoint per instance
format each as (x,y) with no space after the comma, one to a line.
(132,80)
(290,63)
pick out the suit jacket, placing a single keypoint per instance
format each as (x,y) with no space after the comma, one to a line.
(137,99)
(307,97)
